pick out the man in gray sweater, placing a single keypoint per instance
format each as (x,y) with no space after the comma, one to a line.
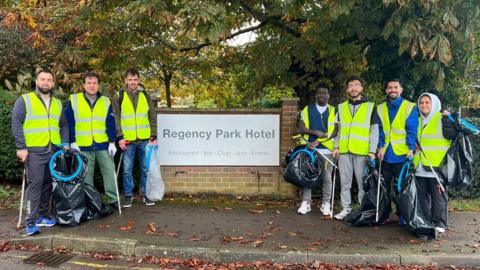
(356,140)
(38,127)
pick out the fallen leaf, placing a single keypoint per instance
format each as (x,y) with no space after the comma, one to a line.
(292,234)
(255,211)
(311,248)
(104,256)
(151,228)
(194,238)
(103,226)
(257,243)
(173,234)
(413,241)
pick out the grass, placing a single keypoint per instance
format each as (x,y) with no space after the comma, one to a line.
(10,197)
(464,205)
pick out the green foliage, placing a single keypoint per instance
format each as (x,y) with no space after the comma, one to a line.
(10,168)
(272,97)
(15,54)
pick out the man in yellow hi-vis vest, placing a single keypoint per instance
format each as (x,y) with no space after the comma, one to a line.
(319,126)
(357,139)
(92,131)
(398,127)
(38,127)
(136,124)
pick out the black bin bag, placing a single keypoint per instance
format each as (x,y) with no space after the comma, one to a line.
(73,201)
(408,202)
(304,168)
(458,169)
(95,208)
(68,201)
(366,214)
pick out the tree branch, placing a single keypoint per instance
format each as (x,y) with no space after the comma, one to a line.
(239,32)
(269,19)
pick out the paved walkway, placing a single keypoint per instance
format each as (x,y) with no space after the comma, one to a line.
(224,234)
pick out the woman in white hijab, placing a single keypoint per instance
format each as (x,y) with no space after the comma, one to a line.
(435,132)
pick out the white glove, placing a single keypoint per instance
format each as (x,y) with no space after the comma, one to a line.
(112,150)
(74,146)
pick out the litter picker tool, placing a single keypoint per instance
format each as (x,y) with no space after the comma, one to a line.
(333,188)
(378,188)
(439,183)
(21,199)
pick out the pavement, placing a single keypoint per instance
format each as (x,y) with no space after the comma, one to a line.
(232,235)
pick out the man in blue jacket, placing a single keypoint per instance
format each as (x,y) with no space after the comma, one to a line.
(398,133)
(92,131)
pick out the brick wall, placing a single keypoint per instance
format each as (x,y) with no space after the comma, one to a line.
(235,179)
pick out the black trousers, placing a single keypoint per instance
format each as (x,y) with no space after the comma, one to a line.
(39,186)
(390,173)
(433,201)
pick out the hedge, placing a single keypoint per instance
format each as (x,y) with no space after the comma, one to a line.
(10,168)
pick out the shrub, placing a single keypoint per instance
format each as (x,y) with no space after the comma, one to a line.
(10,167)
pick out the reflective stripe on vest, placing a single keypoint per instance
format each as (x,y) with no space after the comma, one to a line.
(395,132)
(328,143)
(432,141)
(90,124)
(355,131)
(40,128)
(135,124)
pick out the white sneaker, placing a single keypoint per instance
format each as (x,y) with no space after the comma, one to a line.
(325,209)
(440,229)
(343,214)
(304,208)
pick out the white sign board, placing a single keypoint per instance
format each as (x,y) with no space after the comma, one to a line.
(219,139)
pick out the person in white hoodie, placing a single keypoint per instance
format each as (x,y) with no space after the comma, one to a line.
(435,132)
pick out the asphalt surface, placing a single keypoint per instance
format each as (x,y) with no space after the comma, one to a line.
(278,235)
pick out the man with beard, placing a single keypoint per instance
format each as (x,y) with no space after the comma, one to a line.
(38,127)
(356,140)
(398,127)
(136,124)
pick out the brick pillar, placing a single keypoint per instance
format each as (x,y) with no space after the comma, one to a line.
(288,128)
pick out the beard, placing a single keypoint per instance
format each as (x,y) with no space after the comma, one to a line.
(44,90)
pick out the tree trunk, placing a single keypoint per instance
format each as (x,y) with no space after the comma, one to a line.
(167,76)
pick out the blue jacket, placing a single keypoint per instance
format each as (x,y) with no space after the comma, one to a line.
(110,122)
(411,127)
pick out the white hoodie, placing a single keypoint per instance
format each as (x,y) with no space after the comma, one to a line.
(436,107)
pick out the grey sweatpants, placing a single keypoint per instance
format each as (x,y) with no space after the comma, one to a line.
(327,183)
(39,186)
(350,164)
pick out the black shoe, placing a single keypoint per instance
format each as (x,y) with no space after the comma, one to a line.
(148,202)
(128,202)
(114,205)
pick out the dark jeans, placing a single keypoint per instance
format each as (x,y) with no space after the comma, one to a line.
(134,149)
(433,201)
(39,186)
(390,173)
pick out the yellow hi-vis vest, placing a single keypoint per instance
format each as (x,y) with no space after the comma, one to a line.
(395,132)
(90,124)
(432,141)
(328,143)
(41,127)
(355,131)
(135,124)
